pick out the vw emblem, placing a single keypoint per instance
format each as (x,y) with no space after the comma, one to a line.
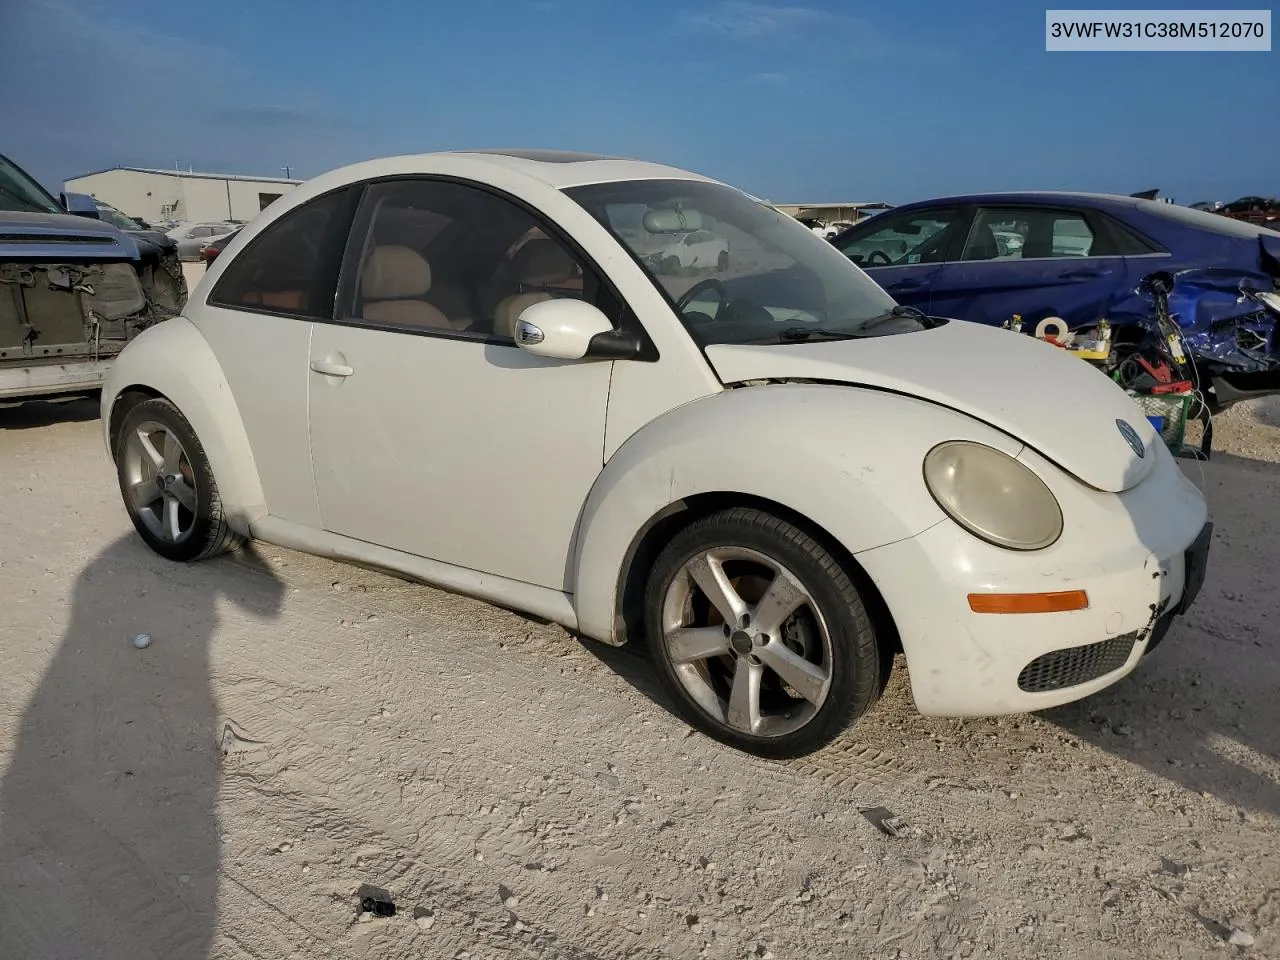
(1131,438)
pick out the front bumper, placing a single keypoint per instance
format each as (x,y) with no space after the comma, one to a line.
(1140,557)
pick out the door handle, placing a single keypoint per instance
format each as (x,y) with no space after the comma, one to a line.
(331,369)
(906,285)
(1083,274)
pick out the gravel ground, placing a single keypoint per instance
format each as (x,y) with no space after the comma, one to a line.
(519,793)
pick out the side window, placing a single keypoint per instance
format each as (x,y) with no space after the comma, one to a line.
(1028,233)
(292,266)
(1124,240)
(447,257)
(900,240)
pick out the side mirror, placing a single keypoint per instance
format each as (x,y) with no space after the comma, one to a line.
(568,329)
(81,205)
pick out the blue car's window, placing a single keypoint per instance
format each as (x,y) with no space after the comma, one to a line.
(901,240)
(1029,233)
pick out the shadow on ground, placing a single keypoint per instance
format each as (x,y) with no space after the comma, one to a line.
(1203,709)
(43,413)
(108,833)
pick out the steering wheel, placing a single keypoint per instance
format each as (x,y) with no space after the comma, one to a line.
(710,283)
(871,257)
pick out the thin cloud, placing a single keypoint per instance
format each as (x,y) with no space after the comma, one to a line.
(139,115)
(746,22)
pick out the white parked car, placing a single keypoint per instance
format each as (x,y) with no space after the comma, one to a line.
(692,252)
(458,367)
(192,238)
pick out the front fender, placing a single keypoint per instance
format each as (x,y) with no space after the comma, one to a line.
(174,360)
(848,459)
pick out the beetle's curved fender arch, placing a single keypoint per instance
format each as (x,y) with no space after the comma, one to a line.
(174,360)
(848,459)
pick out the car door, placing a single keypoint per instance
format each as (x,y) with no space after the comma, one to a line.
(903,252)
(258,321)
(1032,261)
(432,433)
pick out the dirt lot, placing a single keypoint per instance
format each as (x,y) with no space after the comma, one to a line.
(521,793)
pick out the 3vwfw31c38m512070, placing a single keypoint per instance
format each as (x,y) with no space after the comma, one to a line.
(466,368)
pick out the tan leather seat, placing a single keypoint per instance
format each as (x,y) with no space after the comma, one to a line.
(539,264)
(395,280)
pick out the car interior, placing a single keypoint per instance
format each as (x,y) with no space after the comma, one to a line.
(475,275)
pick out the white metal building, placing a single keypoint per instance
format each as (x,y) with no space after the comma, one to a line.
(155,195)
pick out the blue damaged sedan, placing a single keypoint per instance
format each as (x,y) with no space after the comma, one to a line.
(1083,258)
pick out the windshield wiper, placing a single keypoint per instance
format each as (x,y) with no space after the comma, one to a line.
(794,334)
(900,312)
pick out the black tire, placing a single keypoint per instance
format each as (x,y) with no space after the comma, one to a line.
(856,666)
(209,534)
(671,266)
(722,261)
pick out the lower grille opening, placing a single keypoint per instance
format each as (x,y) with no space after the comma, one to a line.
(1059,669)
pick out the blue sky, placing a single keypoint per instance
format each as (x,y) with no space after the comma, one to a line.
(801,100)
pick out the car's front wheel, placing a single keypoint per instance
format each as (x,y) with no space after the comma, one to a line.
(760,635)
(168,485)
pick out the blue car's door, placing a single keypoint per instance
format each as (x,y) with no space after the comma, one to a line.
(903,252)
(1032,261)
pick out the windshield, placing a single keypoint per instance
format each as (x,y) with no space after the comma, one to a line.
(20,193)
(117,219)
(736,269)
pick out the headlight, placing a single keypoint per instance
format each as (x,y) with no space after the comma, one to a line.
(992,495)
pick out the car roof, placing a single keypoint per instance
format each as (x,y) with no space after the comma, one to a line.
(1028,196)
(556,168)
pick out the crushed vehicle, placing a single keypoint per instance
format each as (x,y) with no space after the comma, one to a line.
(74,289)
(1080,259)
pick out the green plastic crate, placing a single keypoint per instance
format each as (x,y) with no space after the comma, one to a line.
(1168,413)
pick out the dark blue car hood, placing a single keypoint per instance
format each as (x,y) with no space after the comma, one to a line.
(58,237)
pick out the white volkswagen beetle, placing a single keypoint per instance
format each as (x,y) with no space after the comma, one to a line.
(460,368)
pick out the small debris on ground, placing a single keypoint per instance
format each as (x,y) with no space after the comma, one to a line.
(1239,938)
(886,821)
(379,908)
(375,901)
(142,641)
(424,918)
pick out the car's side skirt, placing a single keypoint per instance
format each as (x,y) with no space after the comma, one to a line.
(543,602)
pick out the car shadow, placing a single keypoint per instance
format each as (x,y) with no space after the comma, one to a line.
(108,830)
(1201,709)
(43,413)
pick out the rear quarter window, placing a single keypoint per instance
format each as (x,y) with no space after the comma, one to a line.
(291,268)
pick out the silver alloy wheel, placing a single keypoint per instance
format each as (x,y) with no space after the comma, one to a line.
(747,641)
(160,482)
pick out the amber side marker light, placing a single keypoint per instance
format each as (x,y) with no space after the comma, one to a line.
(1028,602)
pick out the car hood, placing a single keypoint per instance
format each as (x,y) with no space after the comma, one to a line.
(153,240)
(1037,393)
(54,236)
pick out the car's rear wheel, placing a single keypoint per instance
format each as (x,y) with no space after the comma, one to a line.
(760,635)
(168,485)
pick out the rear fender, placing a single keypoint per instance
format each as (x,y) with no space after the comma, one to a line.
(174,360)
(847,459)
